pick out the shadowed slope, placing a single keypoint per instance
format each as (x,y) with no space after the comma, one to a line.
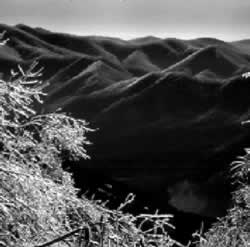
(168,111)
(217,60)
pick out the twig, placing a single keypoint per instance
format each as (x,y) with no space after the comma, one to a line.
(63,237)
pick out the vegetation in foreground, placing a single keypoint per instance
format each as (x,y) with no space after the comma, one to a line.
(233,230)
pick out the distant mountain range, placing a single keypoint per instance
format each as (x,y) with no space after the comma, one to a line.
(168,111)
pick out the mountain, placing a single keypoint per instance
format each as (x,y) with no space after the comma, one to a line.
(139,64)
(218,60)
(168,112)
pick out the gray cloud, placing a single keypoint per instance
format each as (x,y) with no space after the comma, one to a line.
(226,19)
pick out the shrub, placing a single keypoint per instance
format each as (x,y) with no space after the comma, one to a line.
(38,200)
(233,230)
(36,195)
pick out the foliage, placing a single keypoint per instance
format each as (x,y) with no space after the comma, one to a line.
(36,195)
(38,200)
(233,230)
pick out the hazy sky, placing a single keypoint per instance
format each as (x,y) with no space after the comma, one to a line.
(225,19)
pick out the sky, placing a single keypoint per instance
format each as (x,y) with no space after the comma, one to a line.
(127,19)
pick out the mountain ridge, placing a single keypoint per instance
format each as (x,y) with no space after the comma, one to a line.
(170,106)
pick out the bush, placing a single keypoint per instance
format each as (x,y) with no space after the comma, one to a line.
(233,230)
(38,200)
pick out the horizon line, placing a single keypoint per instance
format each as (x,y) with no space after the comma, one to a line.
(130,37)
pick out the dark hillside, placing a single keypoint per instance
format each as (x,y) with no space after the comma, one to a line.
(168,111)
